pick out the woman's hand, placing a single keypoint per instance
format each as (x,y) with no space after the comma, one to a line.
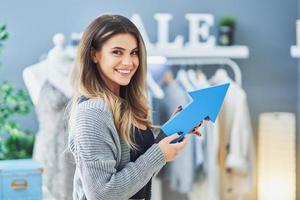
(196,129)
(171,150)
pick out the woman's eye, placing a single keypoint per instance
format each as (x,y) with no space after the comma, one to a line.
(117,52)
(136,53)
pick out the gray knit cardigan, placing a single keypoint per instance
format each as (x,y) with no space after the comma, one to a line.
(103,167)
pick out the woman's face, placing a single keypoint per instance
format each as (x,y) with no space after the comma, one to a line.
(117,60)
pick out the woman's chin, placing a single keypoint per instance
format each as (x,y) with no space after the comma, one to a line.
(124,83)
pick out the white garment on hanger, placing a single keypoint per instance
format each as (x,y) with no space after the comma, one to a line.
(207,188)
(182,78)
(220,77)
(154,87)
(192,76)
(202,79)
(236,120)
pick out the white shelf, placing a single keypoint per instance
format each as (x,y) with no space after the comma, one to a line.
(295,51)
(237,52)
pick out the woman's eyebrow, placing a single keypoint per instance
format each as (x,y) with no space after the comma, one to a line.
(121,48)
(136,48)
(118,48)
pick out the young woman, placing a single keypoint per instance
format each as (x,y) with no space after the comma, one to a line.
(111,134)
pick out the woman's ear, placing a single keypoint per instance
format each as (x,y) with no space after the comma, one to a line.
(94,55)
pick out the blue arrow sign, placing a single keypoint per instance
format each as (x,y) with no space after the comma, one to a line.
(206,103)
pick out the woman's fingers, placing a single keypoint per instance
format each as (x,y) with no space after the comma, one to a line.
(180,145)
(199,124)
(171,150)
(172,137)
(196,131)
(178,109)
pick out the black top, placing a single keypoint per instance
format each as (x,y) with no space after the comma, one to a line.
(144,139)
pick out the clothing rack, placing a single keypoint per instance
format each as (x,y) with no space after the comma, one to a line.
(213,180)
(216,55)
(209,61)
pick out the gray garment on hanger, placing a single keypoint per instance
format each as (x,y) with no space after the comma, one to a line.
(51,142)
(180,172)
(154,105)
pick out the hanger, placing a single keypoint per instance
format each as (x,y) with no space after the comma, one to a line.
(220,77)
(211,61)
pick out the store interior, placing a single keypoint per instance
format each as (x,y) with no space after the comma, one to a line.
(251,151)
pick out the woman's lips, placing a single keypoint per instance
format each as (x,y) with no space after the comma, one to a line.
(123,71)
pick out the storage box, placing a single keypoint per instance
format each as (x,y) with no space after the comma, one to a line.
(20,180)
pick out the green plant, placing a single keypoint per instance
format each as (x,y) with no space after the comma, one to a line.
(227,21)
(14,142)
(3,35)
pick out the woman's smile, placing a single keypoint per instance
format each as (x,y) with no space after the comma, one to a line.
(124,72)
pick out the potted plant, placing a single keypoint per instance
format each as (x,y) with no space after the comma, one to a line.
(226,29)
(14,142)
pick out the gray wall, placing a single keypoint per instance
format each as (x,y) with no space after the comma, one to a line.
(267,27)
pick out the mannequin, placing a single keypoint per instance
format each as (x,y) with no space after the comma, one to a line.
(59,66)
(34,78)
(49,88)
(55,68)
(71,48)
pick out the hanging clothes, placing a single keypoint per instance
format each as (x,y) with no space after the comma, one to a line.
(235,142)
(179,173)
(197,141)
(207,186)
(226,158)
(155,93)
(183,79)
(188,81)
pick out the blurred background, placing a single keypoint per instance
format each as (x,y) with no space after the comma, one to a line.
(257,48)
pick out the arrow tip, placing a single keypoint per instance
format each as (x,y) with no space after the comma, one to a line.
(214,95)
(222,89)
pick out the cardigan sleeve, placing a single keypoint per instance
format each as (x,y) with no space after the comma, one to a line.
(96,157)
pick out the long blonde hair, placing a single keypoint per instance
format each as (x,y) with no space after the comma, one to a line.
(132,104)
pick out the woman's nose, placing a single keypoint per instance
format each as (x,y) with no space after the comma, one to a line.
(127,60)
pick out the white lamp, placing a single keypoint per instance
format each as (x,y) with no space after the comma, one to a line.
(277,156)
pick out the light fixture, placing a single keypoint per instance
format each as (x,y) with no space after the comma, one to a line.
(277,156)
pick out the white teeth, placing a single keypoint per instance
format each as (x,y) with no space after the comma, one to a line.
(123,71)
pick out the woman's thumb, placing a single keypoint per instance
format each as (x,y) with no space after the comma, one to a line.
(172,137)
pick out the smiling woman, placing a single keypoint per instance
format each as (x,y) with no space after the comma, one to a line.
(111,136)
(117,60)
